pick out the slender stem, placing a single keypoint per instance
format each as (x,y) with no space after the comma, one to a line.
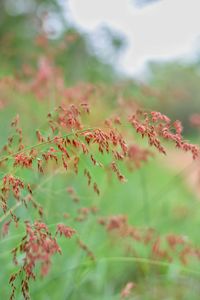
(123,260)
(145,197)
(20,203)
(29,148)
(147,261)
(13,208)
(44,143)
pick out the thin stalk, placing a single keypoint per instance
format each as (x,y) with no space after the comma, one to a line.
(147,261)
(13,208)
(43,143)
(145,197)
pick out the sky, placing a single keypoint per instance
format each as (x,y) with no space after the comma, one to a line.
(165,30)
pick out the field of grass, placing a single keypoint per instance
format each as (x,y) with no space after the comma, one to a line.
(152,198)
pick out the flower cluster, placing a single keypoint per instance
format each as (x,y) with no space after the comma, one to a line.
(165,247)
(38,245)
(126,291)
(156,126)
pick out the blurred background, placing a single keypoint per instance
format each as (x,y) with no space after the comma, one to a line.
(152,44)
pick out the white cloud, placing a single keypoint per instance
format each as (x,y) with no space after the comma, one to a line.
(163,30)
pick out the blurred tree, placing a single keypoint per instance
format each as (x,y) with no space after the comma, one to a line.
(178,87)
(23,21)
